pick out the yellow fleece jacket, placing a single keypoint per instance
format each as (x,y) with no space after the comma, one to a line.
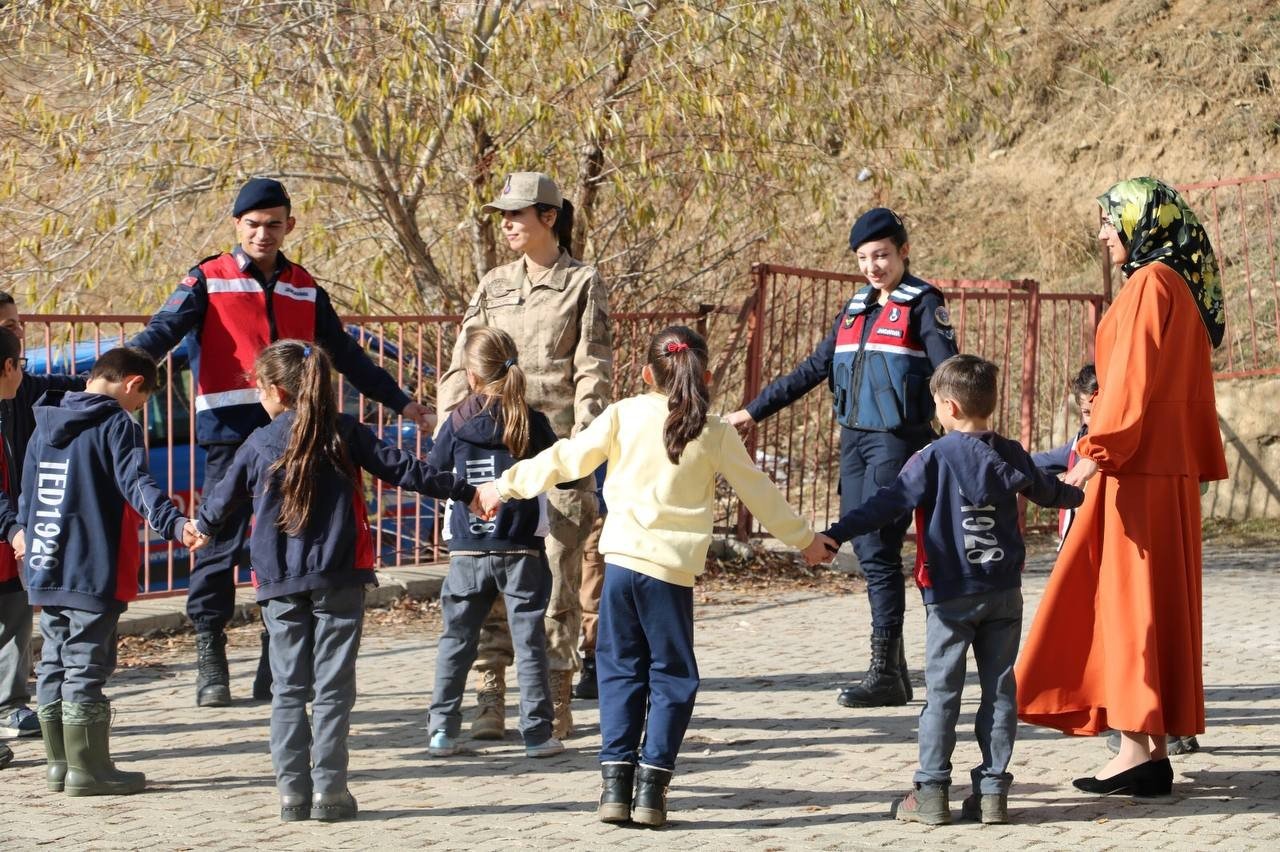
(660,514)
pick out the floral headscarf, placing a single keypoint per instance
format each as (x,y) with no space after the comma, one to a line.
(1155,224)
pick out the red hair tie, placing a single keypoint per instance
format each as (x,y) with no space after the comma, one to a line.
(676,346)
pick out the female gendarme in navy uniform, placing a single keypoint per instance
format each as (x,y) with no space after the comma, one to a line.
(877,360)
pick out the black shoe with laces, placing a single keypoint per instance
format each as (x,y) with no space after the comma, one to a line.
(213,683)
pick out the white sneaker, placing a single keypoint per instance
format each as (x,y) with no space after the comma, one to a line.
(547,748)
(442,745)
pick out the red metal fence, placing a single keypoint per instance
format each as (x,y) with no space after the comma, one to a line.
(1039,340)
(1241,215)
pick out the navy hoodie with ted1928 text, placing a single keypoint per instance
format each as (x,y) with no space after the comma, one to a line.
(470,444)
(335,549)
(964,489)
(84,484)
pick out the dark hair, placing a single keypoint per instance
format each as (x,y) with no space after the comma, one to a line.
(6,299)
(490,354)
(1085,384)
(678,358)
(10,346)
(305,374)
(970,381)
(116,365)
(563,226)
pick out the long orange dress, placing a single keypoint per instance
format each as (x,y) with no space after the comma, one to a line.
(1116,640)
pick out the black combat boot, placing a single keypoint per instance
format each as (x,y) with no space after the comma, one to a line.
(616,788)
(902,668)
(213,683)
(587,687)
(883,685)
(650,805)
(262,680)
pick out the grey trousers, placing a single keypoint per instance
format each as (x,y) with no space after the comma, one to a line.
(15,651)
(474,582)
(78,655)
(315,637)
(992,624)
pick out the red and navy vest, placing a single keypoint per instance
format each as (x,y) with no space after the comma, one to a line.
(241,320)
(882,384)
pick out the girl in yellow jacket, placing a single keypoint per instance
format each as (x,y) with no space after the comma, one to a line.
(663,452)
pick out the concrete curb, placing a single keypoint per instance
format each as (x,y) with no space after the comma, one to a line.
(170,613)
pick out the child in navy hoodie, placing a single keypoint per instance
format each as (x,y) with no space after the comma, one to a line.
(312,556)
(1060,460)
(84,477)
(964,490)
(504,555)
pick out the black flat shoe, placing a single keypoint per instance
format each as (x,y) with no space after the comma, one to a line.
(1153,778)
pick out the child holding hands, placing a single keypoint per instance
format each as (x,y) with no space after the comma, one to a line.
(664,451)
(964,490)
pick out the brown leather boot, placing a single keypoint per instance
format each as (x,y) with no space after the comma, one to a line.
(491,692)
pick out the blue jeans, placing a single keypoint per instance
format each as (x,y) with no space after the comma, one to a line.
(315,637)
(992,624)
(644,659)
(869,461)
(474,581)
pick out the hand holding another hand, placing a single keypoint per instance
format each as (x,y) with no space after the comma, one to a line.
(740,420)
(1081,472)
(820,551)
(487,500)
(19,545)
(192,538)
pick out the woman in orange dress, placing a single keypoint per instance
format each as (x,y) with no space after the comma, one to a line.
(1116,640)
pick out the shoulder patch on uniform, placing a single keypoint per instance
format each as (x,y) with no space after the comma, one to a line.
(941,315)
(948,333)
(176,301)
(188,282)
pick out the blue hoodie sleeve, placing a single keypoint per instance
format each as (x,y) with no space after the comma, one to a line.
(235,486)
(29,465)
(135,482)
(810,373)
(180,313)
(9,525)
(887,505)
(1045,489)
(1052,461)
(352,361)
(441,454)
(40,383)
(398,467)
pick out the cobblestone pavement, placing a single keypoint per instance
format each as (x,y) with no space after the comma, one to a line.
(770,761)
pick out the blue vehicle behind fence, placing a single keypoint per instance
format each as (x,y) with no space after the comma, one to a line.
(405,526)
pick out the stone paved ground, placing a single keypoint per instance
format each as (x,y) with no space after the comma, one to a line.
(770,761)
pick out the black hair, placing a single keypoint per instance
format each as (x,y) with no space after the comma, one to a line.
(6,299)
(10,346)
(563,226)
(116,365)
(678,358)
(968,380)
(1085,384)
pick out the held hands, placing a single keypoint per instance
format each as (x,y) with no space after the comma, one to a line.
(1081,472)
(19,545)
(420,414)
(740,420)
(487,501)
(477,508)
(192,539)
(820,551)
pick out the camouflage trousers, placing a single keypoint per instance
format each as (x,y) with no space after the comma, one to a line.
(570,513)
(592,584)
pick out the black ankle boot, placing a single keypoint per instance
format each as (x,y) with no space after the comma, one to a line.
(587,687)
(883,685)
(213,683)
(650,805)
(262,680)
(618,782)
(902,670)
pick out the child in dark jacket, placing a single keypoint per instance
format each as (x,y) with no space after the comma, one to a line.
(1060,460)
(964,489)
(84,477)
(505,555)
(312,556)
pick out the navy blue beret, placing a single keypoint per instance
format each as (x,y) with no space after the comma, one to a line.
(876,224)
(260,194)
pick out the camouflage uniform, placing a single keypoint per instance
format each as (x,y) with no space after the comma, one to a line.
(561,328)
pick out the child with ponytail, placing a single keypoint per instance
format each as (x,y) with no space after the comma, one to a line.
(503,554)
(312,556)
(664,451)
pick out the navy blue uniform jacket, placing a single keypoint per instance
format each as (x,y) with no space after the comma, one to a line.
(964,489)
(85,467)
(470,444)
(336,547)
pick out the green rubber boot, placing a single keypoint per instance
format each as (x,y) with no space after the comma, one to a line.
(55,754)
(86,733)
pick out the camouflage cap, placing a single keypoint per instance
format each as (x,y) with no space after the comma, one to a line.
(525,189)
